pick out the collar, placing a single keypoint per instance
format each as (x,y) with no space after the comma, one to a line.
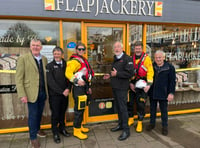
(119,56)
(38,58)
(59,62)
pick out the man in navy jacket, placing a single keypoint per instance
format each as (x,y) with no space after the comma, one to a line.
(162,90)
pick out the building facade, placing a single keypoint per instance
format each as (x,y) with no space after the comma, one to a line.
(173,26)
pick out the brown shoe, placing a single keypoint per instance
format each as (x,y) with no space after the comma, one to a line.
(41,133)
(35,143)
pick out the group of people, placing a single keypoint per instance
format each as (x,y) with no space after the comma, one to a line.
(37,80)
(138,77)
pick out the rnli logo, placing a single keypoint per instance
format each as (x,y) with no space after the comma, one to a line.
(102,105)
(49,4)
(158,8)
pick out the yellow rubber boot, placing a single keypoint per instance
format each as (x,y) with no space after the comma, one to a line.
(139,127)
(130,121)
(77,133)
(84,129)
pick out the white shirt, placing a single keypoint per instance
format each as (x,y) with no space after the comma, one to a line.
(119,56)
(38,58)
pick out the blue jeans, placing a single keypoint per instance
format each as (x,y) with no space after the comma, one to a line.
(35,115)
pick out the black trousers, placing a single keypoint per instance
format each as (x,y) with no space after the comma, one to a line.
(163,104)
(140,98)
(78,114)
(58,106)
(121,102)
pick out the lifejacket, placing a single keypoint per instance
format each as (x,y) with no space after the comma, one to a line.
(140,69)
(85,67)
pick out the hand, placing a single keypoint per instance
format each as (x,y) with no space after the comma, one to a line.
(66,92)
(170,97)
(24,99)
(81,83)
(113,72)
(90,91)
(106,76)
(146,89)
(132,86)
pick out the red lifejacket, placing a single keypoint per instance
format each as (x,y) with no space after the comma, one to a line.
(85,66)
(140,69)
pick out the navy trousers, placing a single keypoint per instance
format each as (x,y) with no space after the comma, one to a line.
(121,102)
(35,115)
(163,104)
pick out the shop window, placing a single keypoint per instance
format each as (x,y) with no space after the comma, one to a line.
(135,34)
(15,36)
(181,44)
(182,47)
(71,35)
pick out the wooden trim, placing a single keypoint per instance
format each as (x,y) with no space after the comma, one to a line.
(61,33)
(144,39)
(127,39)
(100,118)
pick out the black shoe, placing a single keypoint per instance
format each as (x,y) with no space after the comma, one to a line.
(124,136)
(117,128)
(165,130)
(65,133)
(150,127)
(56,138)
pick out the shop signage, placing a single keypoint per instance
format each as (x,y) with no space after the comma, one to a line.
(7,89)
(116,7)
(71,45)
(47,50)
(103,106)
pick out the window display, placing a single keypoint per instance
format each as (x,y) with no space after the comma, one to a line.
(15,36)
(182,47)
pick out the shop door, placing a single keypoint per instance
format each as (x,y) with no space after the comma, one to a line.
(99,40)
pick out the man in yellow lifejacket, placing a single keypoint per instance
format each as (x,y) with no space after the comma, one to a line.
(140,84)
(80,73)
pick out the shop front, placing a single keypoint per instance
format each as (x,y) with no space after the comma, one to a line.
(98,24)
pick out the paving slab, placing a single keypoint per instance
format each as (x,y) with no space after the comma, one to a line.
(184,132)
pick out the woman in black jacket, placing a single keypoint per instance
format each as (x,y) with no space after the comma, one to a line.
(58,87)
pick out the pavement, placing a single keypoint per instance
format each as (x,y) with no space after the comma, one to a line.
(184,132)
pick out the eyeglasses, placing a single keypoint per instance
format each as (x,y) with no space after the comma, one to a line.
(81,49)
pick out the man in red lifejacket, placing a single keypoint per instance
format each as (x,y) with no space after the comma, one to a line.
(80,73)
(140,84)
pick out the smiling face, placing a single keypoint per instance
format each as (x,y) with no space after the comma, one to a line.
(35,47)
(57,55)
(117,48)
(159,58)
(80,50)
(138,50)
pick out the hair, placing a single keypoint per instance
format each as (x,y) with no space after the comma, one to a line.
(138,43)
(35,40)
(57,48)
(120,44)
(80,44)
(160,51)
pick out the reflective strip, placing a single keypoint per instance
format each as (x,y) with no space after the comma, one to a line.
(7,71)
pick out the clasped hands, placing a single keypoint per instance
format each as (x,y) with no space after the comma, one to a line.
(113,73)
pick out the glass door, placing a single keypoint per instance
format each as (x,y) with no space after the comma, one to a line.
(100,40)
